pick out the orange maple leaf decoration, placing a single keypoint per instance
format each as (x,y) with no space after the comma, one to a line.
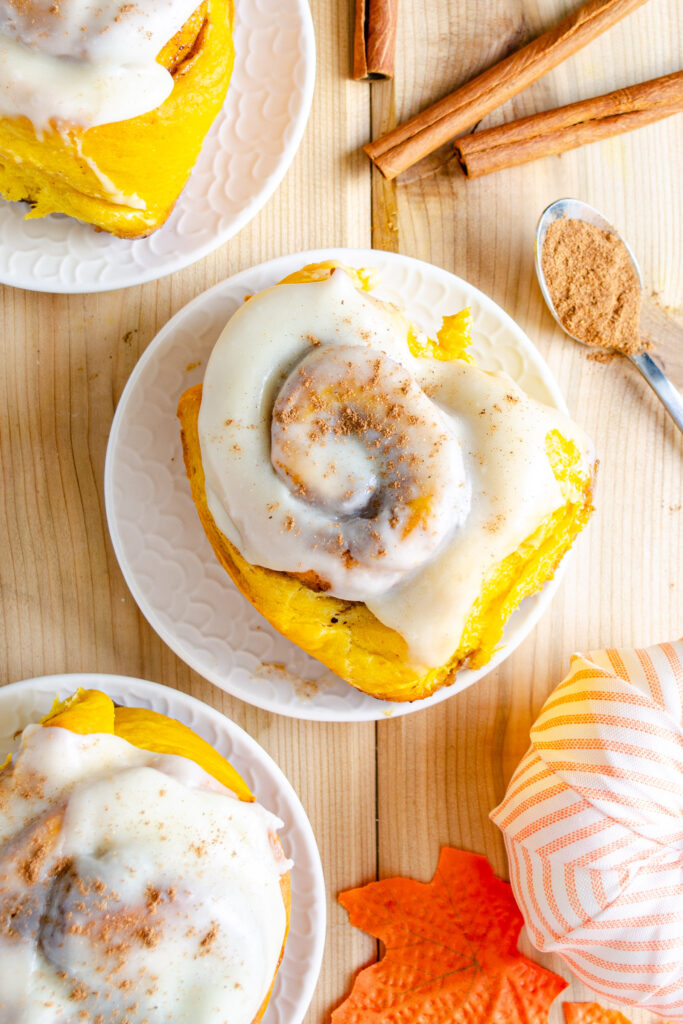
(451,951)
(592,1013)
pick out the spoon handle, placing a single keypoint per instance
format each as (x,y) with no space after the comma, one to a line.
(661,385)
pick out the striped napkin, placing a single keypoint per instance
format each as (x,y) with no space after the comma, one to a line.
(593,826)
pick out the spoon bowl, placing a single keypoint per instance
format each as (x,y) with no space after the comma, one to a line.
(575,209)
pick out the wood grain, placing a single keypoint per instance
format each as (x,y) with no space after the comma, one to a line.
(463,109)
(382,799)
(622,584)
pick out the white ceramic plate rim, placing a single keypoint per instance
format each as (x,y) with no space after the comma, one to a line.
(306,885)
(185,257)
(278,268)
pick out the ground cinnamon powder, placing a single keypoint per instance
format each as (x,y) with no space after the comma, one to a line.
(594,288)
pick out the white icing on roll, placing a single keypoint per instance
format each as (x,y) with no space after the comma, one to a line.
(358,441)
(284,480)
(85,62)
(132,886)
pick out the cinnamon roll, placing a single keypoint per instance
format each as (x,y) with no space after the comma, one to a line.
(134,885)
(104,107)
(380,499)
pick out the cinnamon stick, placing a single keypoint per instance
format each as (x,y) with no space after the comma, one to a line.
(577,124)
(374,38)
(422,134)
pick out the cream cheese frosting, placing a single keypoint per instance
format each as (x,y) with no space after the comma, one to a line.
(410,510)
(85,62)
(133,887)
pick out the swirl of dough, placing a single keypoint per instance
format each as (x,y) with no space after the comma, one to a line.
(324,455)
(354,434)
(133,887)
(334,442)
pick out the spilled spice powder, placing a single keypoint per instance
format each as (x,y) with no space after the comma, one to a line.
(593,285)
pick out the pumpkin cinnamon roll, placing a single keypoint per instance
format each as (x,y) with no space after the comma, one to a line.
(380,499)
(140,882)
(104,107)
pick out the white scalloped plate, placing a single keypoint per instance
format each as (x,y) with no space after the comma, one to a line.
(25,702)
(243,160)
(164,555)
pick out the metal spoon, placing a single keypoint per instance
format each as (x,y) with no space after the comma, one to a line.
(574,209)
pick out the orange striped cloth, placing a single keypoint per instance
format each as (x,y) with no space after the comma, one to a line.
(593,826)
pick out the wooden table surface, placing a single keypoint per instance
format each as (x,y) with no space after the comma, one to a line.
(382,798)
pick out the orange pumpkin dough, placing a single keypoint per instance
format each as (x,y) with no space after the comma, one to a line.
(91,711)
(345,635)
(125,177)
